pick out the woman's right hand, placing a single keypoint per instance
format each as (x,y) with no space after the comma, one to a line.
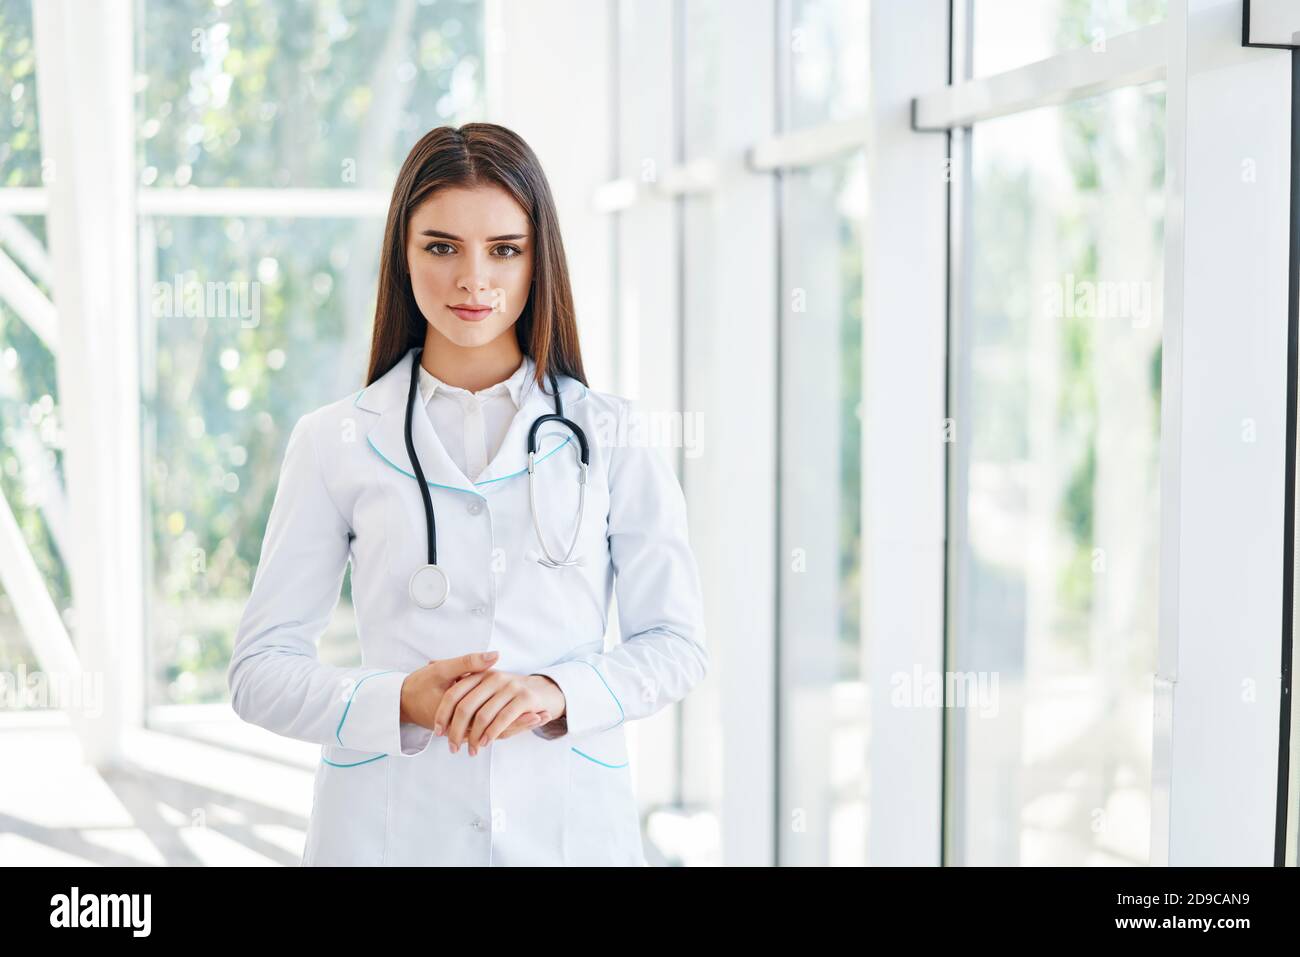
(423,689)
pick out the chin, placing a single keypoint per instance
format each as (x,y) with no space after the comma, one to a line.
(468,335)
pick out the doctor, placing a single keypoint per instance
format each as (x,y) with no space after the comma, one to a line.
(487,724)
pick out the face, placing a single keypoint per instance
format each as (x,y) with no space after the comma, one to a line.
(475,247)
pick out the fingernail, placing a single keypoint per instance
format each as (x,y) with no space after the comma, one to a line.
(472,750)
(489,655)
(437,730)
(455,748)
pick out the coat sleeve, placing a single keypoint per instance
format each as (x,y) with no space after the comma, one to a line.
(662,654)
(276,679)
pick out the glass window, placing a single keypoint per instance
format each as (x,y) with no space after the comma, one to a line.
(1012,33)
(31,442)
(252,322)
(20,146)
(828,61)
(248,323)
(289,94)
(1056,468)
(702,28)
(824,703)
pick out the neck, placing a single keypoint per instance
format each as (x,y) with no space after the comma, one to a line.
(472,368)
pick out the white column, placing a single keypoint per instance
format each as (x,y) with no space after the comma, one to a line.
(903,428)
(730,350)
(1223,442)
(86,101)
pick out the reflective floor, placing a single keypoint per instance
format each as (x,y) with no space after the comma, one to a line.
(174,801)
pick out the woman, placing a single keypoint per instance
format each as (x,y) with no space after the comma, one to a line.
(503,636)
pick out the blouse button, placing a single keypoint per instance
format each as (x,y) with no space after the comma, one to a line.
(475,507)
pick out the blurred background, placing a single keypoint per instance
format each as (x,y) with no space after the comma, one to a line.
(924,361)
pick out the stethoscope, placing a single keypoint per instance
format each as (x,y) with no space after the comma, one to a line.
(430,585)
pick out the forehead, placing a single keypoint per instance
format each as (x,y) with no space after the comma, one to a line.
(479,211)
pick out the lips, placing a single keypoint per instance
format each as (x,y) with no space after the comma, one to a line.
(471,313)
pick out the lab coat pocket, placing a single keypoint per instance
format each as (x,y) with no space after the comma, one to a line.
(349,815)
(602,825)
(607,749)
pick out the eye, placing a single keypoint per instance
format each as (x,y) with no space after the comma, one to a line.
(431,246)
(513,251)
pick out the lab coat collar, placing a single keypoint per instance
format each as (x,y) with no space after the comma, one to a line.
(387,396)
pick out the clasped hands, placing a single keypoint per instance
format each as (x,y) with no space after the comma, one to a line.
(475,705)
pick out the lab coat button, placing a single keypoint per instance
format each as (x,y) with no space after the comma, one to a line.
(479,824)
(480,610)
(475,507)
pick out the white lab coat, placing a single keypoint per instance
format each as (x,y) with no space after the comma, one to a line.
(387,792)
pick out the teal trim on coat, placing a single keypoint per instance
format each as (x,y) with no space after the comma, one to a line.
(339,730)
(622,715)
(595,760)
(354,764)
(457,488)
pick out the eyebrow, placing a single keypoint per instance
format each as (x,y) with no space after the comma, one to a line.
(439,234)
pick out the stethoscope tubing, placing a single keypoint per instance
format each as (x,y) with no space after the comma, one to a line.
(421,578)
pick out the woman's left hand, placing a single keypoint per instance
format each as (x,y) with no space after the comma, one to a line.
(478,708)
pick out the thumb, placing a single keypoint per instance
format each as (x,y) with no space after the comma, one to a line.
(477,661)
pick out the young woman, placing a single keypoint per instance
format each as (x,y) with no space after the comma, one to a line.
(487,723)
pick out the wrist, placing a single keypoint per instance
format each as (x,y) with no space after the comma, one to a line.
(551,690)
(402,715)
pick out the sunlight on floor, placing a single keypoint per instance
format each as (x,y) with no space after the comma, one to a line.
(174,801)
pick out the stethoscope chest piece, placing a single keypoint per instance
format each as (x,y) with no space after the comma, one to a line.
(430,586)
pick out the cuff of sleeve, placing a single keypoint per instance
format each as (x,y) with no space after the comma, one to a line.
(372,717)
(415,738)
(553,729)
(589,703)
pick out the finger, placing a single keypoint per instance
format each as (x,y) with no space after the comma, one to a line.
(468,705)
(504,697)
(528,716)
(476,661)
(451,697)
(502,720)
(447,702)
(526,722)
(506,691)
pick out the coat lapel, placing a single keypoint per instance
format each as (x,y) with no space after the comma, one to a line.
(387,396)
(512,458)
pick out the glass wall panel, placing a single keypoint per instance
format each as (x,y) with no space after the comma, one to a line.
(828,61)
(824,703)
(1056,465)
(288,94)
(253,323)
(20,144)
(1011,33)
(248,323)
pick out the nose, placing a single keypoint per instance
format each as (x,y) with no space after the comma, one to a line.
(477,277)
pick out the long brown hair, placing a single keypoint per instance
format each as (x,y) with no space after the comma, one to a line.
(473,155)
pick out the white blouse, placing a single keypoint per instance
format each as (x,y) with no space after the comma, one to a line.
(472,425)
